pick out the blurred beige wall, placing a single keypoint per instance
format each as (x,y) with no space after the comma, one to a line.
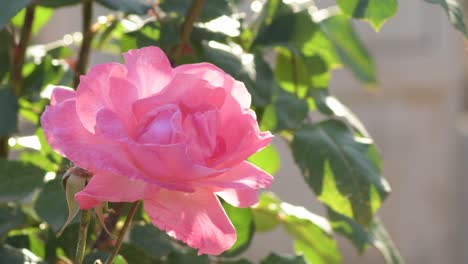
(416,119)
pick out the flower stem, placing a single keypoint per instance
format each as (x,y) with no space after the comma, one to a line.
(16,71)
(82,236)
(85,48)
(20,49)
(187,27)
(111,222)
(126,226)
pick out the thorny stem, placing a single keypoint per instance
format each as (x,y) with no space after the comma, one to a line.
(126,226)
(82,236)
(187,27)
(17,54)
(85,48)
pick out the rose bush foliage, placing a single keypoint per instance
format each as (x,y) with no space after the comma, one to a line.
(182,132)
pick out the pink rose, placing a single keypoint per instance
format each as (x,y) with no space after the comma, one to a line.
(175,137)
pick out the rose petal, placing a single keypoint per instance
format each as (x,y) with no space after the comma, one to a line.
(197,219)
(65,133)
(105,86)
(149,69)
(111,188)
(242,138)
(243,176)
(239,197)
(188,91)
(168,164)
(162,125)
(201,129)
(60,94)
(218,78)
(109,125)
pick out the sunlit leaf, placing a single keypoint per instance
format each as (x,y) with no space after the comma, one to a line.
(340,169)
(242,220)
(266,212)
(351,51)
(362,237)
(274,258)
(311,234)
(267,159)
(12,255)
(454,13)
(41,17)
(10,9)
(375,11)
(28,238)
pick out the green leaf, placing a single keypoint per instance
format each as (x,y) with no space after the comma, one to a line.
(211,8)
(18,179)
(454,13)
(240,261)
(10,9)
(51,204)
(41,17)
(267,159)
(133,254)
(12,255)
(164,33)
(349,48)
(375,11)
(274,258)
(28,238)
(40,160)
(266,212)
(151,240)
(139,7)
(341,169)
(58,3)
(330,105)
(312,235)
(8,112)
(362,237)
(301,74)
(290,111)
(31,111)
(242,219)
(179,258)
(67,240)
(5,39)
(384,244)
(99,255)
(10,218)
(307,55)
(251,69)
(45,73)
